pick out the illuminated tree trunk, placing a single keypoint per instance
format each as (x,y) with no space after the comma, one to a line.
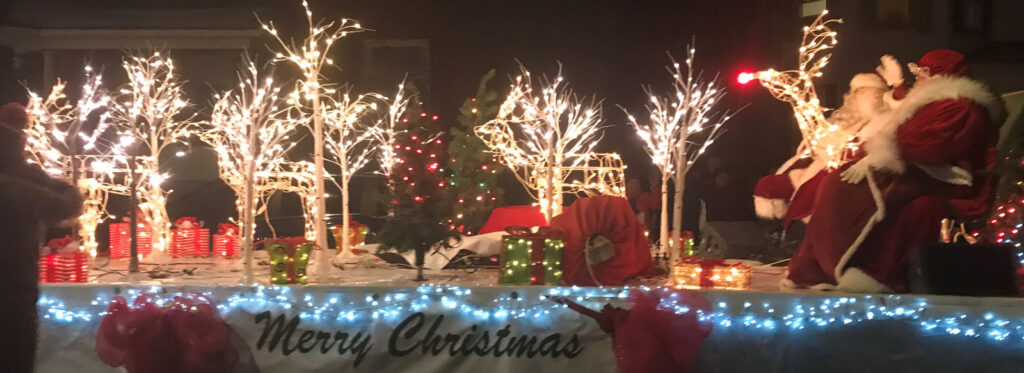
(248,218)
(663,238)
(319,216)
(343,246)
(677,211)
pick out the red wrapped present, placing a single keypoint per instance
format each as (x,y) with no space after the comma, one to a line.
(226,242)
(710,273)
(61,260)
(189,238)
(120,240)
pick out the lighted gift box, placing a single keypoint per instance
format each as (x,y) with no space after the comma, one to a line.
(190,242)
(226,241)
(356,238)
(62,261)
(531,258)
(288,260)
(120,240)
(711,273)
(189,238)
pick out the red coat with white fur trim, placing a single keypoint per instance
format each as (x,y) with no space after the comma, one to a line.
(862,234)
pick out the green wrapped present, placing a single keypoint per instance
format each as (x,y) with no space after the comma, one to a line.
(288,260)
(529,258)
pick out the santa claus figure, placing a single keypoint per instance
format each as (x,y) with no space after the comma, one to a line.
(789,194)
(924,161)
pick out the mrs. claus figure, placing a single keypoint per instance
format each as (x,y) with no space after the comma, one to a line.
(923,161)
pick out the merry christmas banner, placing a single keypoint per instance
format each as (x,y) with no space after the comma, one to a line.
(314,329)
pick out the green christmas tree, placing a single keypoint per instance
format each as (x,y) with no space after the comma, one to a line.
(420,203)
(473,171)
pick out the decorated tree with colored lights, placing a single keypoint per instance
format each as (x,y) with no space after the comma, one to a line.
(153,110)
(1006,224)
(421,204)
(473,170)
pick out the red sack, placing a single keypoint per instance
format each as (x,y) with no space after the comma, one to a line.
(612,218)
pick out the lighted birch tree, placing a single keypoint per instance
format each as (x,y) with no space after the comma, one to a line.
(349,143)
(250,133)
(58,140)
(539,132)
(310,56)
(669,135)
(151,109)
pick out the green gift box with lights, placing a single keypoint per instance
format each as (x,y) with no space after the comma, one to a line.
(288,260)
(531,258)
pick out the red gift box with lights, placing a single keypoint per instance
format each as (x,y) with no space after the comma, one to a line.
(226,241)
(120,240)
(189,239)
(711,273)
(62,261)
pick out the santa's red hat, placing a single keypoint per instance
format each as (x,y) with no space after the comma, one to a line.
(944,62)
(870,80)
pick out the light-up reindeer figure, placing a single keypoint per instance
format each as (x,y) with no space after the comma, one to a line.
(821,138)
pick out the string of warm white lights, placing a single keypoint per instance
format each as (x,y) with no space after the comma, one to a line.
(792,314)
(668,135)
(58,140)
(292,177)
(537,134)
(349,142)
(310,57)
(150,108)
(251,134)
(386,134)
(821,139)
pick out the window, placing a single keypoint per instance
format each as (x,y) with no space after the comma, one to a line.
(889,15)
(972,16)
(388,61)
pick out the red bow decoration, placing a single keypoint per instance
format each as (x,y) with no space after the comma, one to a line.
(650,336)
(58,245)
(187,222)
(227,228)
(186,335)
(685,235)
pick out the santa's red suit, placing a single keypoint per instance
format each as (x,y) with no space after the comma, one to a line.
(922,160)
(790,192)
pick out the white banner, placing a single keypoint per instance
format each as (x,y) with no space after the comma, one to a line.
(457,334)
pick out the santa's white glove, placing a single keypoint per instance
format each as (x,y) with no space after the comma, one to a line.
(890,70)
(857,172)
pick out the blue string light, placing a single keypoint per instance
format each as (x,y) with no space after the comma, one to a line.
(797,314)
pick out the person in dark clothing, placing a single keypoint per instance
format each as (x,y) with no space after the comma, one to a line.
(30,201)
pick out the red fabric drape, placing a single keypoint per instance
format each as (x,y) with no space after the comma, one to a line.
(503,217)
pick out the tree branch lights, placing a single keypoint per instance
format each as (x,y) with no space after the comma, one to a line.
(385,135)
(349,143)
(310,57)
(58,141)
(821,139)
(149,108)
(251,138)
(539,134)
(673,120)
